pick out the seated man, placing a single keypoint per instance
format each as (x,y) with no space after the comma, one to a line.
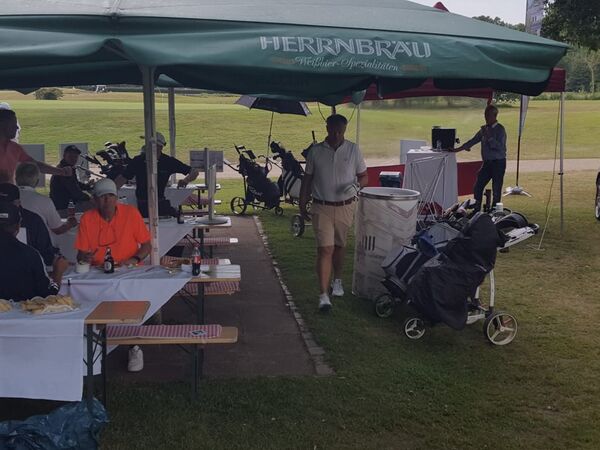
(22,272)
(27,176)
(112,225)
(36,233)
(66,189)
(167,166)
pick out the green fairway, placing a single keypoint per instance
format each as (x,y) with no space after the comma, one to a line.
(215,122)
(449,390)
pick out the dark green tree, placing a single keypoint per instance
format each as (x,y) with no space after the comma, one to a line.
(502,23)
(573,21)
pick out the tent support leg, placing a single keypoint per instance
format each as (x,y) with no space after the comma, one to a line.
(561,172)
(151,158)
(172,126)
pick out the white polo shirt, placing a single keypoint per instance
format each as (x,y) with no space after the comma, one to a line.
(334,171)
(42,206)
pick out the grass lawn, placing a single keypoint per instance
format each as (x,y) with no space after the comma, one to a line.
(215,122)
(449,390)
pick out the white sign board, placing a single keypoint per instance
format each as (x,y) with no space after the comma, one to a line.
(214,156)
(37,152)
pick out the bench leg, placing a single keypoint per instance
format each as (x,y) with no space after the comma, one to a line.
(200,304)
(89,362)
(197,368)
(103,365)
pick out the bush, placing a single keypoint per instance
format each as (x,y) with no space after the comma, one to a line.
(48,94)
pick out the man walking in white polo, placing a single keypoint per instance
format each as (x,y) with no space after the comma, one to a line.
(335,170)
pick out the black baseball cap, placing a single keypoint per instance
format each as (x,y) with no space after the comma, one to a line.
(9,192)
(72,148)
(9,214)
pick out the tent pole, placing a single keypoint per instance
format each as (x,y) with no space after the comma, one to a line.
(151,158)
(172,126)
(358,124)
(270,130)
(561,173)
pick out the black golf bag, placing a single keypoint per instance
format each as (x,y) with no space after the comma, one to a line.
(259,187)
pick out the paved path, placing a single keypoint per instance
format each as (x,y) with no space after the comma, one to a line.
(531,165)
(270,342)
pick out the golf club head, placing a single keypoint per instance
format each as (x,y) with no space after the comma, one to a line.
(516,190)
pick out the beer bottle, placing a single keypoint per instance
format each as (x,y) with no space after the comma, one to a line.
(71,209)
(196,261)
(109,262)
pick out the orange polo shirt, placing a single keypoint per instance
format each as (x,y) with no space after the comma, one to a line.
(124,234)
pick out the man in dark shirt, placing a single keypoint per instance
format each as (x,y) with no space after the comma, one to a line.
(167,166)
(492,136)
(37,233)
(22,272)
(65,189)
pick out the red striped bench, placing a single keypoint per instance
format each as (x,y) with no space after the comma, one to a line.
(210,241)
(172,261)
(216,288)
(197,336)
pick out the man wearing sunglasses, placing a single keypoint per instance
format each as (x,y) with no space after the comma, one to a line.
(113,225)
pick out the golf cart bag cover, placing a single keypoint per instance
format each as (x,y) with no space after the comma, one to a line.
(512,221)
(441,288)
(403,262)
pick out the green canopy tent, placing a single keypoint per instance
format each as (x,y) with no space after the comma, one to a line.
(307,50)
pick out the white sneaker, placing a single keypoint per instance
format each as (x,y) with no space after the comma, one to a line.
(324,303)
(336,288)
(136,359)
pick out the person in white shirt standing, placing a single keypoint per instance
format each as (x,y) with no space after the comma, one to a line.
(27,176)
(335,171)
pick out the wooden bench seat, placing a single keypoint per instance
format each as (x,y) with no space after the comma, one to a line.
(179,335)
(172,261)
(209,241)
(216,288)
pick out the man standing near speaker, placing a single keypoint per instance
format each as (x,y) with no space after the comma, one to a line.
(492,136)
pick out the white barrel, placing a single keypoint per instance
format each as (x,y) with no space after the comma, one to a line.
(385,219)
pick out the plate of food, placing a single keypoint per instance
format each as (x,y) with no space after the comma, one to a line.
(49,305)
(5,305)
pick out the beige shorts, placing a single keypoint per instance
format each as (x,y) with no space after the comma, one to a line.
(331,223)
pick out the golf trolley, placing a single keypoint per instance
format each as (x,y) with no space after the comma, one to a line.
(442,276)
(289,184)
(259,191)
(115,158)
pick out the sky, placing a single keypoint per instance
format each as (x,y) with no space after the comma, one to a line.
(511,11)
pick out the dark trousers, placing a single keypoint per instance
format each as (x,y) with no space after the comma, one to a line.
(490,170)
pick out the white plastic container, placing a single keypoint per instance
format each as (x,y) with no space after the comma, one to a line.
(386,218)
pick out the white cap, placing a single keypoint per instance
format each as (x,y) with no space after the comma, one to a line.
(105,186)
(160,139)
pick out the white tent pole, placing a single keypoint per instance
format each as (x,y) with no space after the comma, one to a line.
(358,125)
(561,173)
(172,126)
(151,158)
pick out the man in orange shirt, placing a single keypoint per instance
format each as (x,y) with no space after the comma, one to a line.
(11,153)
(112,225)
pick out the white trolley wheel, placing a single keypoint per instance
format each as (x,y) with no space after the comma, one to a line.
(308,206)
(413,328)
(597,207)
(384,305)
(278,211)
(500,328)
(238,206)
(297,225)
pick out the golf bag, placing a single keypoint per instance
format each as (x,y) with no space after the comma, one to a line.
(444,285)
(259,187)
(291,173)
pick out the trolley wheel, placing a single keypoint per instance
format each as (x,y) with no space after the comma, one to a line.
(500,328)
(414,328)
(278,211)
(384,305)
(238,206)
(297,225)
(597,208)
(308,206)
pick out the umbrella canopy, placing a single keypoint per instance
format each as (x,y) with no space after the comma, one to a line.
(302,50)
(274,105)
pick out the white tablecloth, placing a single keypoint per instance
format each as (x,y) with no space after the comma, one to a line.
(152,283)
(169,233)
(422,167)
(175,195)
(41,355)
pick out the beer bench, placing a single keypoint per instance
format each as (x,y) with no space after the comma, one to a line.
(195,336)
